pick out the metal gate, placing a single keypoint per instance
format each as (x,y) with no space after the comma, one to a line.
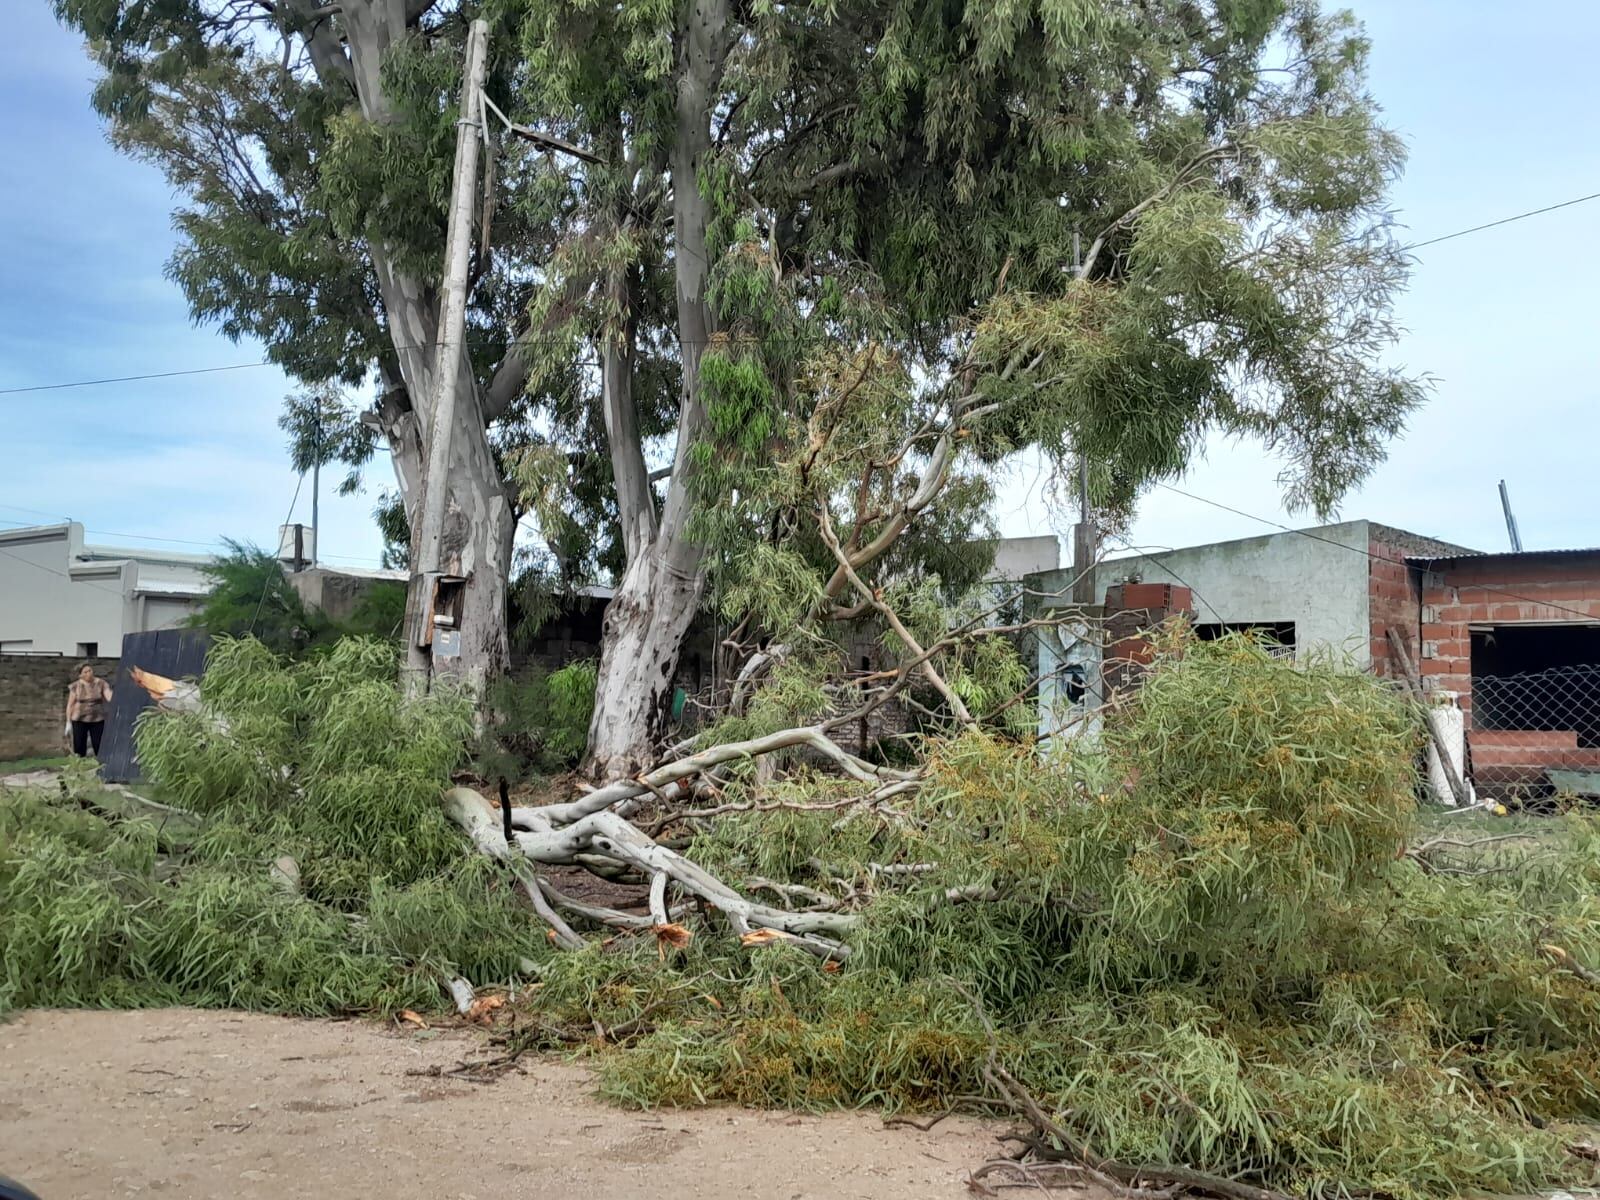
(175,653)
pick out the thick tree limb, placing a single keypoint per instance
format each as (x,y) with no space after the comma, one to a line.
(597,913)
(636,505)
(667,779)
(929,671)
(608,834)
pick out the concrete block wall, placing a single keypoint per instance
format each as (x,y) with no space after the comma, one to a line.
(33,701)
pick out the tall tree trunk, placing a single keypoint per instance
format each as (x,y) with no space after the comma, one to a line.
(646,623)
(651,613)
(479,524)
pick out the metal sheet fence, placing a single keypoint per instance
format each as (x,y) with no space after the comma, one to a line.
(175,653)
(1536,735)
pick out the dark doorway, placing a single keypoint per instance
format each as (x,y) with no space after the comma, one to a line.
(1538,678)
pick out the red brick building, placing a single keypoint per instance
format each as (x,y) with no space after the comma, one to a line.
(1517,638)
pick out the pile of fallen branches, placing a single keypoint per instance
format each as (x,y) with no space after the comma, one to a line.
(1213,951)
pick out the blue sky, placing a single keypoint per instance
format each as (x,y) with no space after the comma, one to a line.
(1497,112)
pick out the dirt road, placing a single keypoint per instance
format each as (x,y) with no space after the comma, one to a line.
(181,1103)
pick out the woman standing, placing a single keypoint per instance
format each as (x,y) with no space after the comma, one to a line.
(87,698)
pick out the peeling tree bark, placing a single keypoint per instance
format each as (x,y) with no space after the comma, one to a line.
(650,614)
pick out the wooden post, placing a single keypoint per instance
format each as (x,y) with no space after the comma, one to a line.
(1413,681)
(449,355)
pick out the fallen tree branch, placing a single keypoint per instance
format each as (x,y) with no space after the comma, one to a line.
(667,781)
(612,836)
(869,596)
(1563,958)
(565,936)
(461,992)
(600,915)
(871,800)
(1055,1142)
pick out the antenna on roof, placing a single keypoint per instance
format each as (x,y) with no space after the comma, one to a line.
(1511,520)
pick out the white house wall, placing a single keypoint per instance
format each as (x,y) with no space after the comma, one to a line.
(57,595)
(1319,583)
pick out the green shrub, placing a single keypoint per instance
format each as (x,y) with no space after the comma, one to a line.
(1208,948)
(1201,941)
(541,721)
(319,759)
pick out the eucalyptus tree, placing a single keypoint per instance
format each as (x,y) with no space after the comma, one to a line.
(777,285)
(838,260)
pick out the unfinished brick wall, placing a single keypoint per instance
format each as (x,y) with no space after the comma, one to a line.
(1133,611)
(33,701)
(1497,591)
(1394,601)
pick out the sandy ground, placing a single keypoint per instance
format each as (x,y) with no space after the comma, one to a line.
(181,1103)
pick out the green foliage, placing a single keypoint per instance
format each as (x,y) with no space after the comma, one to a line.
(919,238)
(1200,940)
(251,596)
(318,759)
(379,611)
(540,721)
(1204,946)
(16,766)
(325,427)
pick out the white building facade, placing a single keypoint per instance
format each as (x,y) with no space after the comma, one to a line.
(61,596)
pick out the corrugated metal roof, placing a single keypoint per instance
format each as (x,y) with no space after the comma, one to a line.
(1503,556)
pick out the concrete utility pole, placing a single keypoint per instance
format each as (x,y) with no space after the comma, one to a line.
(449,353)
(1083,547)
(1083,537)
(316,488)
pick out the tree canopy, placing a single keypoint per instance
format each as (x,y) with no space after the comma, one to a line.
(759,264)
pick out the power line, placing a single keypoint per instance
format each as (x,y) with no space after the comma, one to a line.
(1316,537)
(77,383)
(61,574)
(1522,216)
(38,512)
(1182,582)
(51,387)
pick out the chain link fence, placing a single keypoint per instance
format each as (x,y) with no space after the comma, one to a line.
(1536,735)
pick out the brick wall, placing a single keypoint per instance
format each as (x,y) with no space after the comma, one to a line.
(1132,612)
(1394,601)
(1496,591)
(33,701)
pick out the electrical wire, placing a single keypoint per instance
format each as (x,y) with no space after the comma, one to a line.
(61,574)
(1316,537)
(77,383)
(1522,216)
